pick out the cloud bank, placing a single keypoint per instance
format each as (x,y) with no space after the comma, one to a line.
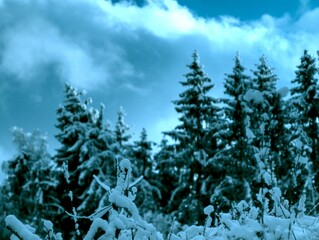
(134,56)
(90,40)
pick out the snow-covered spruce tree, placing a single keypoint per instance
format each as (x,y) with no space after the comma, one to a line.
(238,157)
(241,159)
(260,96)
(29,187)
(142,155)
(195,108)
(304,122)
(97,158)
(85,151)
(4,206)
(142,159)
(167,175)
(122,135)
(267,121)
(281,156)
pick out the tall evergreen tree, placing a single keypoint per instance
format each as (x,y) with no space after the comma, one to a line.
(143,165)
(29,187)
(97,158)
(283,166)
(78,131)
(196,110)
(304,118)
(167,172)
(268,121)
(194,106)
(240,157)
(263,91)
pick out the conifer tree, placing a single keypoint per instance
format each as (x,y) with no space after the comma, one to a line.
(143,163)
(196,110)
(167,174)
(97,158)
(260,99)
(268,121)
(264,89)
(305,100)
(240,157)
(121,134)
(304,118)
(78,135)
(194,106)
(283,165)
(142,155)
(29,187)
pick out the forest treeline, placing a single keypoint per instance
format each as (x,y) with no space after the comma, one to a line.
(224,150)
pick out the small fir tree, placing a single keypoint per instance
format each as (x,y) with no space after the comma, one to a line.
(304,121)
(142,158)
(121,134)
(29,187)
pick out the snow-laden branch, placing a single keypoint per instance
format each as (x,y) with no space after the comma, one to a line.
(19,229)
(103,185)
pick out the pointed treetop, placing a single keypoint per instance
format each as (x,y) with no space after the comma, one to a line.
(195,56)
(264,77)
(238,66)
(121,128)
(236,83)
(99,121)
(305,75)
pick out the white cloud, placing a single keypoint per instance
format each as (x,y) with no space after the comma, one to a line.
(308,22)
(38,39)
(35,43)
(89,39)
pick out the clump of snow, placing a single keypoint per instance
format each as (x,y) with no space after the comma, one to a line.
(283,92)
(66,172)
(125,164)
(123,215)
(20,230)
(267,178)
(208,210)
(249,133)
(48,225)
(254,96)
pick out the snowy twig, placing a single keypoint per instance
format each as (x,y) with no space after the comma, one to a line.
(137,181)
(93,216)
(313,209)
(103,185)
(19,230)
(171,229)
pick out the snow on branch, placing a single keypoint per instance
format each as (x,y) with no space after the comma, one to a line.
(103,185)
(19,229)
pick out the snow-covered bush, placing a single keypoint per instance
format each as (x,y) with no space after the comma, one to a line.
(272,219)
(119,220)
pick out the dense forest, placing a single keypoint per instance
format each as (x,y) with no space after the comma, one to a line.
(252,154)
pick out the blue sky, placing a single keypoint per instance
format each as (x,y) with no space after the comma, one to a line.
(134,54)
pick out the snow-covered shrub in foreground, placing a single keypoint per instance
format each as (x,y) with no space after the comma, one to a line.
(243,223)
(122,220)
